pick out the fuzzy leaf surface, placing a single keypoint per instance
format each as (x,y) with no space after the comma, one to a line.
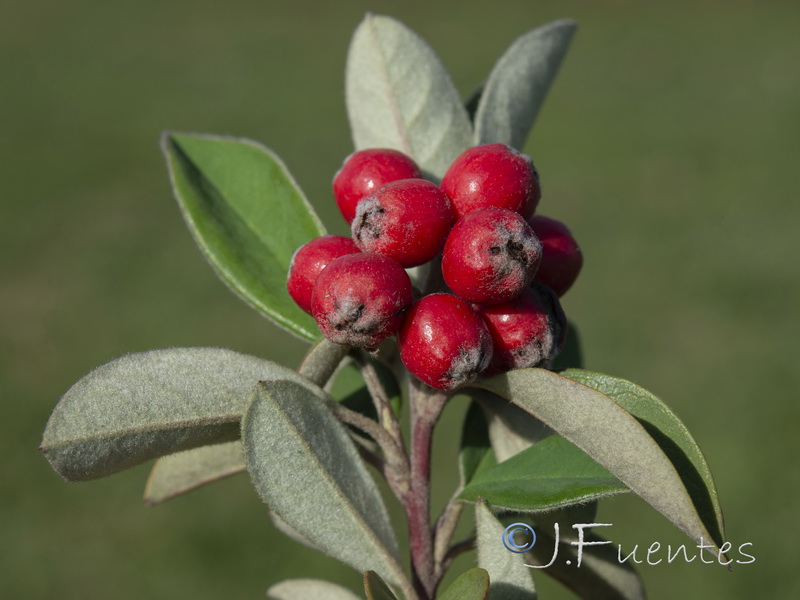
(309,589)
(470,585)
(509,578)
(247,215)
(609,434)
(550,474)
(185,471)
(518,84)
(671,435)
(400,96)
(307,470)
(150,404)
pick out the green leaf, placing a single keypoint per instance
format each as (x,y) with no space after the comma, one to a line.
(470,585)
(510,578)
(309,589)
(600,574)
(185,471)
(247,215)
(518,84)
(549,474)
(609,434)
(376,588)
(672,437)
(349,389)
(400,96)
(307,470)
(151,404)
(475,453)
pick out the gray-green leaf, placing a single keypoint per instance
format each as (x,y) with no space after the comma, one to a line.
(307,470)
(470,585)
(518,84)
(609,434)
(509,578)
(151,404)
(671,435)
(247,215)
(400,96)
(185,471)
(309,589)
(548,475)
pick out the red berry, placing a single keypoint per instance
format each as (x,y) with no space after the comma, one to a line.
(359,299)
(561,257)
(444,342)
(490,256)
(308,262)
(406,220)
(365,171)
(492,175)
(528,331)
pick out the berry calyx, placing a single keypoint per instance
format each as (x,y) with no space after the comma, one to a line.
(359,299)
(561,257)
(406,220)
(490,256)
(528,331)
(365,171)
(444,342)
(492,175)
(308,262)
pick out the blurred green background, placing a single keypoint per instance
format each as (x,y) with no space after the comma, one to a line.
(669,144)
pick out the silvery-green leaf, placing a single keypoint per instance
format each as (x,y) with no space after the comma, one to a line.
(185,471)
(518,84)
(150,404)
(307,470)
(609,434)
(509,578)
(671,435)
(376,588)
(188,470)
(309,589)
(400,96)
(511,429)
(247,215)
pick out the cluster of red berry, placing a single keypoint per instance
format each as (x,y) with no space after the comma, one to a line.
(505,266)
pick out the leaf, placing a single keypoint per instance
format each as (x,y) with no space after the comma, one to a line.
(185,471)
(376,588)
(349,389)
(151,404)
(475,453)
(672,437)
(518,84)
(510,578)
(400,96)
(600,575)
(309,589)
(247,215)
(511,429)
(549,474)
(307,470)
(609,434)
(470,585)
